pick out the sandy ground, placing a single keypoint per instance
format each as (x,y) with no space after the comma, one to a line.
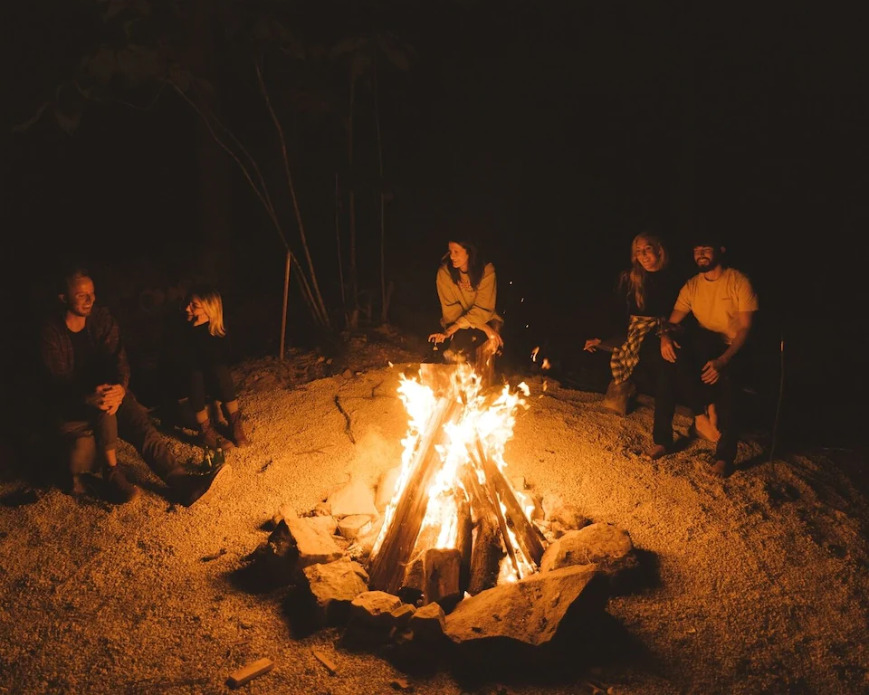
(761,582)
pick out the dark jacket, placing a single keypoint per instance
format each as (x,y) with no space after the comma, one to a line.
(62,385)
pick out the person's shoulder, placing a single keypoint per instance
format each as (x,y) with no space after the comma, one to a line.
(737,275)
(691,281)
(102,315)
(50,322)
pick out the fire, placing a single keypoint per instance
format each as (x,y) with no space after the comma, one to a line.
(460,430)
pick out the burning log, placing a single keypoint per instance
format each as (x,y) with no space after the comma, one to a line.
(479,459)
(528,535)
(465,540)
(488,550)
(387,567)
(441,568)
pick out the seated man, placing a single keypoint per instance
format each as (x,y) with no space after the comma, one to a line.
(723,302)
(86,377)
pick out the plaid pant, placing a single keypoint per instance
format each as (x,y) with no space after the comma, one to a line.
(626,357)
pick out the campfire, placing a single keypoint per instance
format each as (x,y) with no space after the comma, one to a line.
(455,524)
(449,554)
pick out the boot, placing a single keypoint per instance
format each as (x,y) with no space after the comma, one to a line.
(210,438)
(120,490)
(236,430)
(186,487)
(618,397)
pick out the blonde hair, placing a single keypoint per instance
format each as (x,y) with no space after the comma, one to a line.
(635,278)
(212,305)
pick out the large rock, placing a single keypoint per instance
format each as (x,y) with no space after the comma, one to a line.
(530,610)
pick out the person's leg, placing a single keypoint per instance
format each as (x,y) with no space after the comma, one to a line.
(663,375)
(185,486)
(79,450)
(209,437)
(463,344)
(727,412)
(135,426)
(233,417)
(702,346)
(120,489)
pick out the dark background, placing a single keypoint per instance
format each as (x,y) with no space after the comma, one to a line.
(552,131)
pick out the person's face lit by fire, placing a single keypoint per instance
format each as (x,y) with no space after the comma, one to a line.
(196,312)
(707,257)
(458,256)
(80,296)
(648,255)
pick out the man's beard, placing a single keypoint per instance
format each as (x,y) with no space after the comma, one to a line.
(712,264)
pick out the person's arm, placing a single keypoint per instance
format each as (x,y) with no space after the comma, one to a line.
(451,306)
(713,368)
(669,345)
(483,309)
(107,335)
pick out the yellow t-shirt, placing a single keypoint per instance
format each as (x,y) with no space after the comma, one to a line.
(715,303)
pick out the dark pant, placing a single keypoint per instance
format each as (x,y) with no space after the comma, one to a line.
(703,346)
(661,376)
(216,381)
(133,424)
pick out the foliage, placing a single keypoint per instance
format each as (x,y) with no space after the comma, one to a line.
(210,53)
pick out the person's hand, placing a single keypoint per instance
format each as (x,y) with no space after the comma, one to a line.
(437,338)
(711,371)
(110,397)
(668,348)
(494,340)
(591,344)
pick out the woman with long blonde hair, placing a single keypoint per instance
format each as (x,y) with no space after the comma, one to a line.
(649,289)
(205,359)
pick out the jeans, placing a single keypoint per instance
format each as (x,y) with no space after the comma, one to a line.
(131,423)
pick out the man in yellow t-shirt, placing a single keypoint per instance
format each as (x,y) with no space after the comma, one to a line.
(723,302)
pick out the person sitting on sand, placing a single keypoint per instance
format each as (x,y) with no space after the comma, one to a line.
(200,357)
(86,379)
(470,327)
(723,301)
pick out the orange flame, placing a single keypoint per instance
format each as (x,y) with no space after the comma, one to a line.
(485,420)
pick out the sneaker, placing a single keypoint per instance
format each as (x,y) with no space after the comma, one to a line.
(186,487)
(120,490)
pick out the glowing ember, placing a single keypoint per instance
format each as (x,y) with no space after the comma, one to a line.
(455,441)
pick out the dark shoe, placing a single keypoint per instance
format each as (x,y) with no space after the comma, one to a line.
(120,490)
(210,438)
(722,469)
(186,487)
(238,434)
(657,452)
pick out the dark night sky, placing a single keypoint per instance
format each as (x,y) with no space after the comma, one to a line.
(555,130)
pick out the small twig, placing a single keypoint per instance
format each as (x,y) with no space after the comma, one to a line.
(347,428)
